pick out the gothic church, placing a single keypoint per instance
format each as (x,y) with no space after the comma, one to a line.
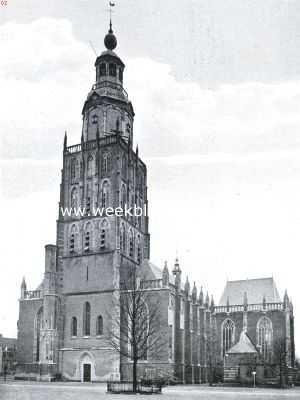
(63,324)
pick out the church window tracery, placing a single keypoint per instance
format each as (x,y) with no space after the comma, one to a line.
(264,334)
(227,335)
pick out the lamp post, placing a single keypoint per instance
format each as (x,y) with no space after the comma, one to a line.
(254,375)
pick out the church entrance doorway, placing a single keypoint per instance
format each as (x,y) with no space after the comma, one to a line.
(86,372)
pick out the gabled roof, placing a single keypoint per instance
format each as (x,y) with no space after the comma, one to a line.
(244,345)
(256,289)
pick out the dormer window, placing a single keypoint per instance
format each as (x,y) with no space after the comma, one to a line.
(102,69)
(112,69)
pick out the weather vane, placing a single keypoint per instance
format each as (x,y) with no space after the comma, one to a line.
(111,5)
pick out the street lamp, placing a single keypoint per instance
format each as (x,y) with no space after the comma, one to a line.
(254,375)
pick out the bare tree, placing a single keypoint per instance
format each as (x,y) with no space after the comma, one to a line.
(135,334)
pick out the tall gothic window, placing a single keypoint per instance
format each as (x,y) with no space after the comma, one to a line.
(90,166)
(131,244)
(106,164)
(87,237)
(88,199)
(99,325)
(122,238)
(103,235)
(139,250)
(123,197)
(105,195)
(264,334)
(227,335)
(73,169)
(74,326)
(87,319)
(74,199)
(72,244)
(124,166)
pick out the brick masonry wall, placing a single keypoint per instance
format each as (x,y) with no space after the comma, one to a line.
(27,315)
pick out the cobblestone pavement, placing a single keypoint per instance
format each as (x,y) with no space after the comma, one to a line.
(73,391)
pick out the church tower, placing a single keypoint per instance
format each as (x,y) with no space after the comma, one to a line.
(100,172)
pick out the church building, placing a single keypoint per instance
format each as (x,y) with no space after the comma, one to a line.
(64,324)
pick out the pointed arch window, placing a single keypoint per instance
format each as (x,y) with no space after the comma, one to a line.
(124,166)
(105,195)
(139,250)
(87,237)
(72,245)
(74,326)
(99,325)
(123,197)
(131,244)
(90,166)
(106,164)
(103,235)
(87,319)
(74,199)
(227,335)
(88,199)
(122,238)
(73,169)
(264,332)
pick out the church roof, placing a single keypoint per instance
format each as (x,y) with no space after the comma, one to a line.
(150,271)
(256,289)
(244,345)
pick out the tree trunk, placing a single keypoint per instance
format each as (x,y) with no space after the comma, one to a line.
(134,375)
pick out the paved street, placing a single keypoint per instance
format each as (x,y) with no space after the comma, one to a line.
(74,391)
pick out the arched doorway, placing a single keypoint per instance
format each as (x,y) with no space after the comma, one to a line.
(87,367)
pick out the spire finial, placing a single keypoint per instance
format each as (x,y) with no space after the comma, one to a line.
(111,5)
(110,40)
(65,140)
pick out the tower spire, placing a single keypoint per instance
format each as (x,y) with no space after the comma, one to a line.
(110,39)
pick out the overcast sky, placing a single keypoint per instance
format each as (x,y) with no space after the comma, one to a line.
(216,90)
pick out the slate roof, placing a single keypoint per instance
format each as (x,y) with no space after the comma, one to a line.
(256,289)
(244,345)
